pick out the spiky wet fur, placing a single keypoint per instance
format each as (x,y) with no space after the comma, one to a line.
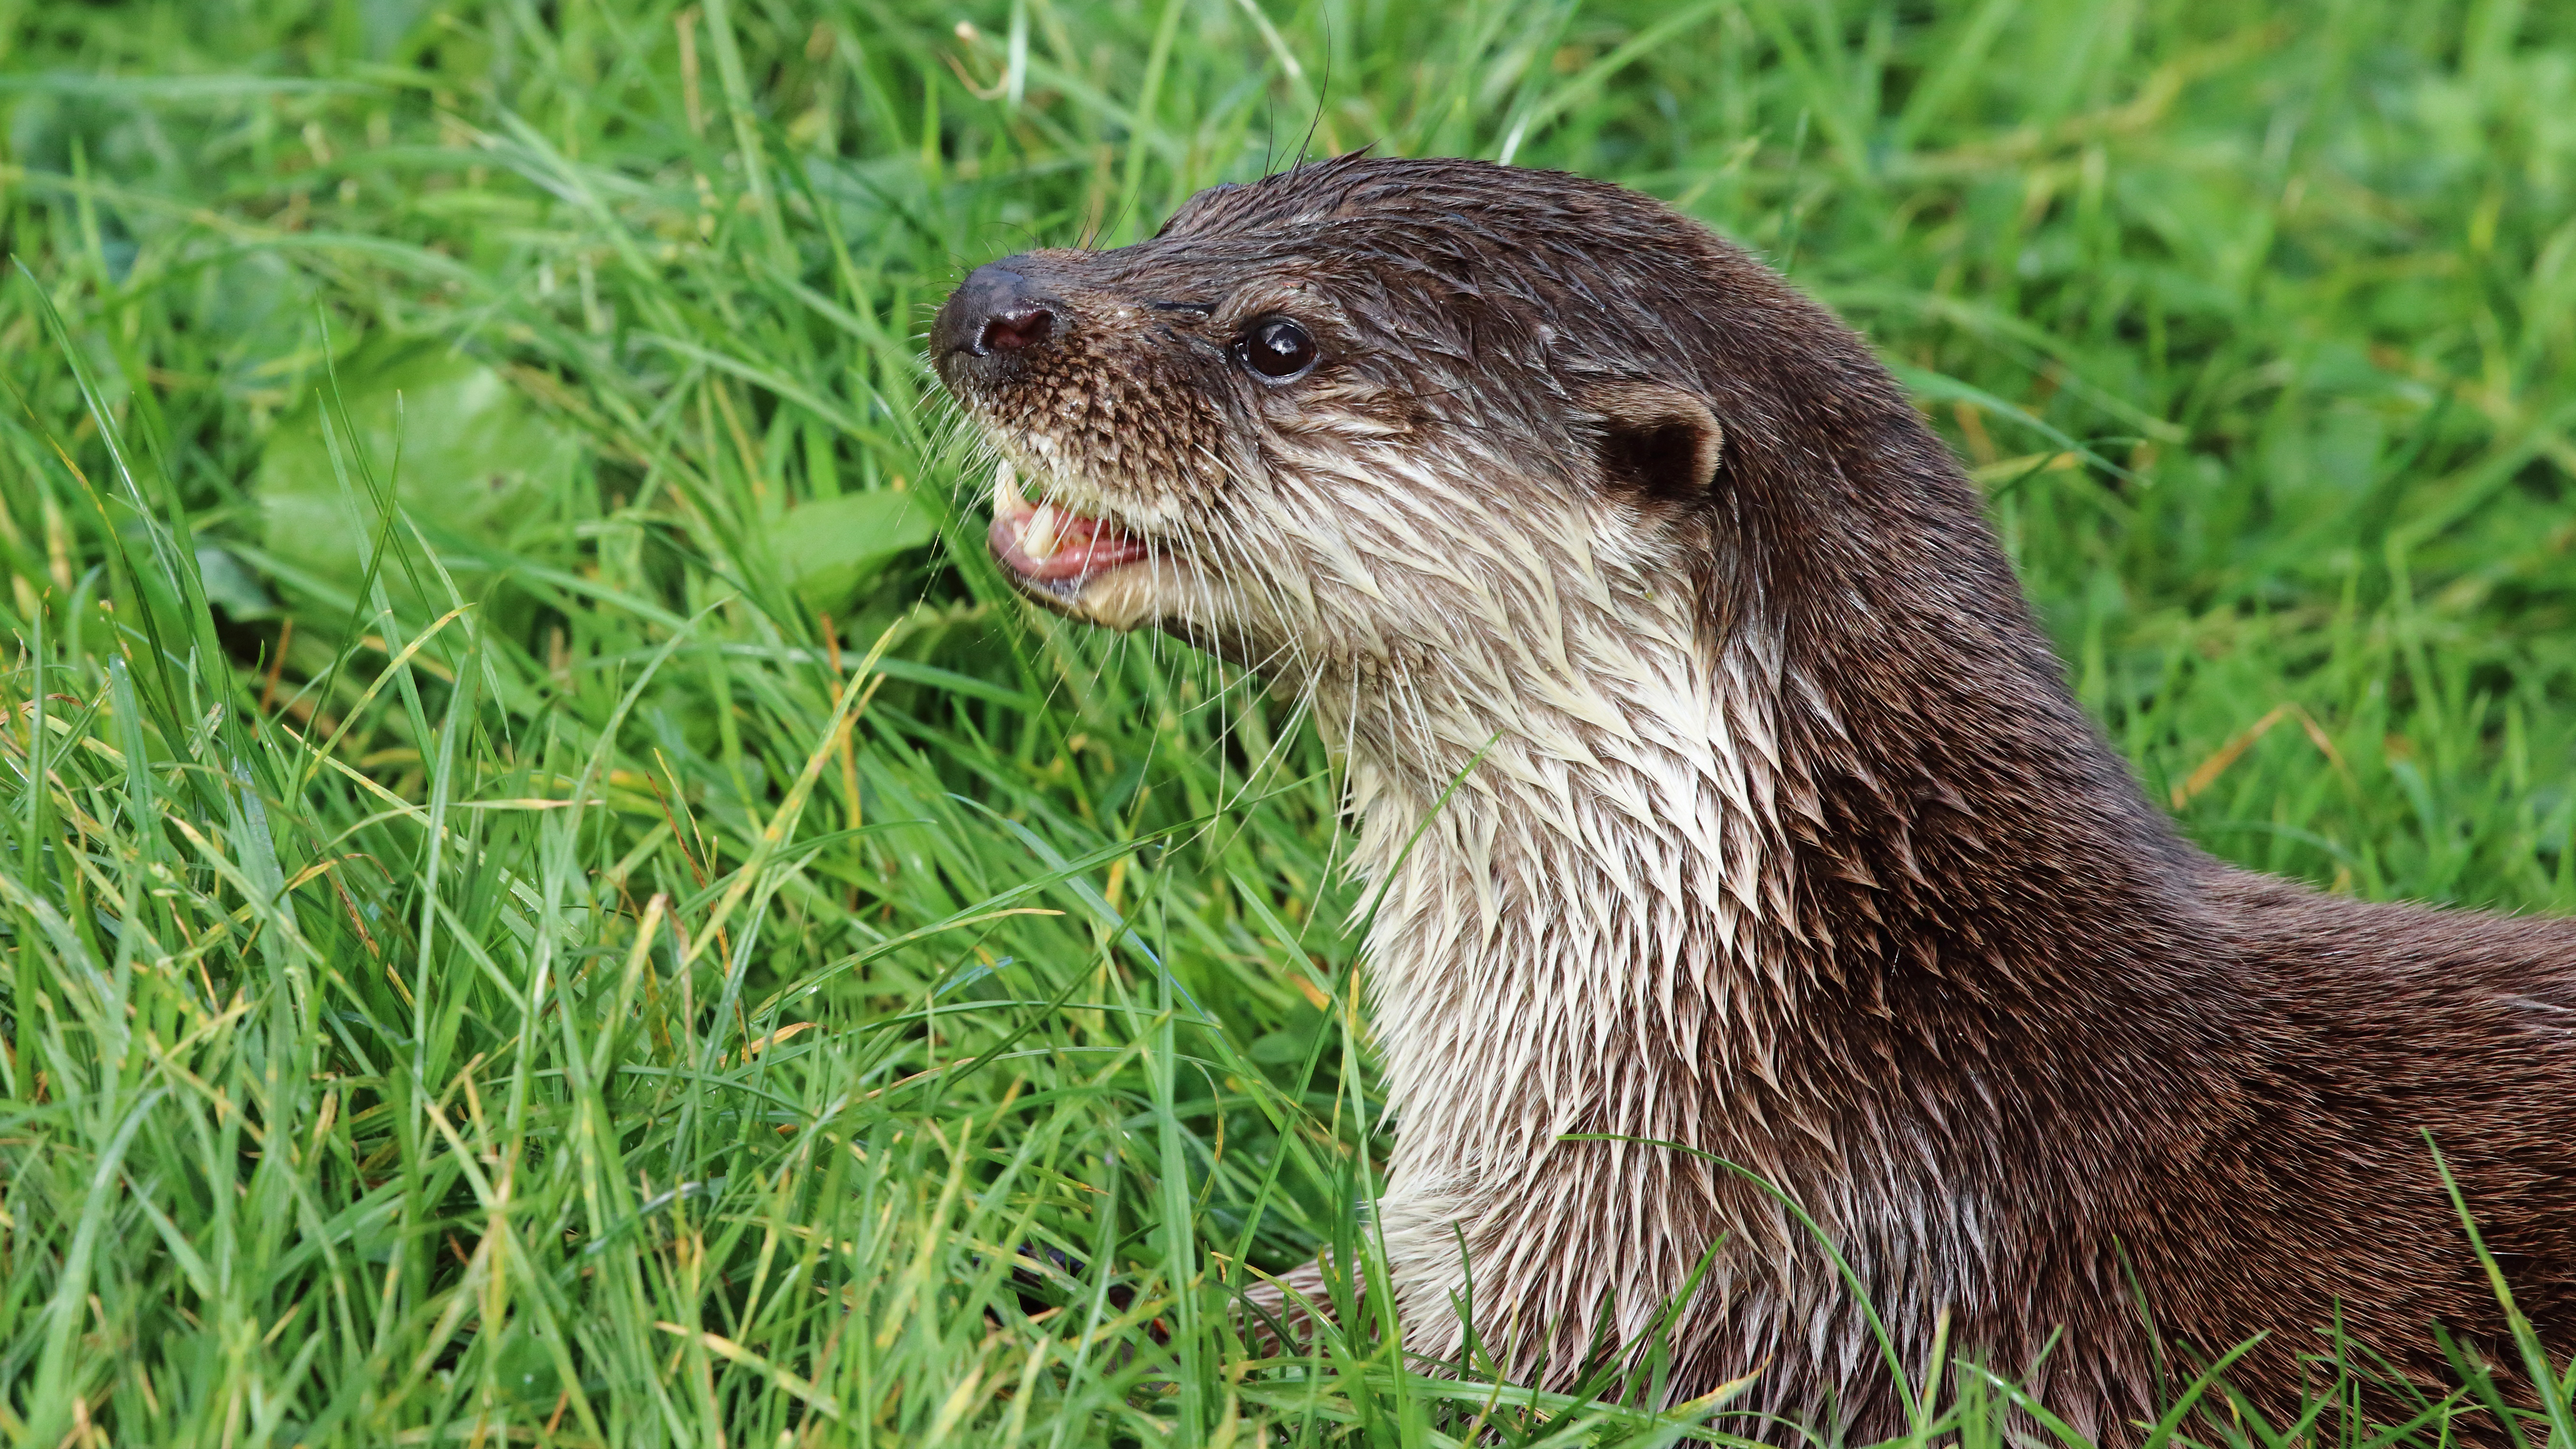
(1770,829)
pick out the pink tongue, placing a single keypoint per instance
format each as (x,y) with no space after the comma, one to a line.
(1083,547)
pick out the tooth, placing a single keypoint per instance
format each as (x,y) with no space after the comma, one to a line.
(1038,539)
(1008,501)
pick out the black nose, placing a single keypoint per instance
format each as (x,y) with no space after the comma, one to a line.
(996,310)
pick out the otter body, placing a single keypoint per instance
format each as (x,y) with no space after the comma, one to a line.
(1770,828)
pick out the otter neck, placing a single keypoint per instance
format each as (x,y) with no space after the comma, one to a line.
(1558,857)
(1610,895)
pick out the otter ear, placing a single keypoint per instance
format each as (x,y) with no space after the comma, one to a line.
(1655,440)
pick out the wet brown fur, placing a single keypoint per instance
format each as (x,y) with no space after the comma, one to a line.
(2015,1044)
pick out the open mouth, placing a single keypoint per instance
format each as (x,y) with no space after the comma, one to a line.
(1051,550)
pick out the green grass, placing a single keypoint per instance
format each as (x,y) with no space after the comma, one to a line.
(617,1014)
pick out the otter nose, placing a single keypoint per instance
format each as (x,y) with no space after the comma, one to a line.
(996,310)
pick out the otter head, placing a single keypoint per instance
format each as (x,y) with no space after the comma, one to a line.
(1467,429)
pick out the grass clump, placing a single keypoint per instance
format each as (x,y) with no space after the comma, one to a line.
(547,893)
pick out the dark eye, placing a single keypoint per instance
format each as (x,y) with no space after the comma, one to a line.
(1277,348)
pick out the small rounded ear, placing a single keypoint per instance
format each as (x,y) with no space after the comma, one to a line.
(1655,440)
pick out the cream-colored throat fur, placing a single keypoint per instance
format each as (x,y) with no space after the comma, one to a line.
(1560,942)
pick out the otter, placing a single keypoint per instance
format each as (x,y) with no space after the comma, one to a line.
(1731,820)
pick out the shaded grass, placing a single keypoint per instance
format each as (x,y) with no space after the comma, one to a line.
(526,973)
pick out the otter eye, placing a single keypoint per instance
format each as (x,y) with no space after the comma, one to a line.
(1277,348)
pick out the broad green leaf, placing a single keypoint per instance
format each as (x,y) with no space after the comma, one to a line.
(476,459)
(832,548)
